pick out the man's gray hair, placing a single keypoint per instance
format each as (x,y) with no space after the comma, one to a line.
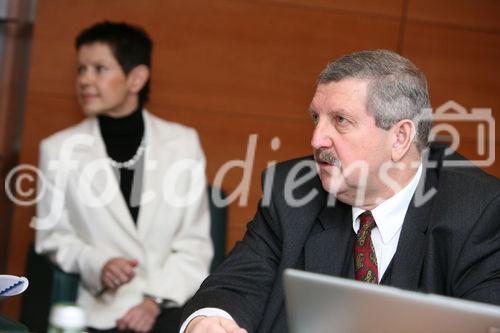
(397,89)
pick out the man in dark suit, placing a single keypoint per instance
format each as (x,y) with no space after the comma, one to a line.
(376,204)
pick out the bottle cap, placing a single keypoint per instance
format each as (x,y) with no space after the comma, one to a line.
(67,316)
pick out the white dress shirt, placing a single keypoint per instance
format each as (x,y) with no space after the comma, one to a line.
(389,217)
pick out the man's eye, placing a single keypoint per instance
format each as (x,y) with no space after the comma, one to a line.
(100,68)
(341,120)
(80,69)
(314,118)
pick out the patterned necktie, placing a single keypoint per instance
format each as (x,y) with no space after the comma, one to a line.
(365,259)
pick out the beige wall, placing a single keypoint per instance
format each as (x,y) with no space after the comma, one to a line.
(231,68)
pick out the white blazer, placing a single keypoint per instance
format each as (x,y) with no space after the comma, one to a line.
(83,221)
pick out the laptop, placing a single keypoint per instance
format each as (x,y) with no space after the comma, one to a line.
(324,304)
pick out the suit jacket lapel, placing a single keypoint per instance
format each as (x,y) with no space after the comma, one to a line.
(104,180)
(303,231)
(408,261)
(329,248)
(157,158)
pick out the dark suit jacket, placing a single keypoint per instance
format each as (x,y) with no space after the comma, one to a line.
(450,245)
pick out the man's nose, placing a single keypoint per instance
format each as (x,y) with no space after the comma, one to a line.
(321,137)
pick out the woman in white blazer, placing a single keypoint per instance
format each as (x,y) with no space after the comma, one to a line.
(123,195)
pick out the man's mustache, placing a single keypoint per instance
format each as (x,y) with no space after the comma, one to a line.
(325,156)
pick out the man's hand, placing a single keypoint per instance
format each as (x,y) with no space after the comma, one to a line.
(118,271)
(141,318)
(203,324)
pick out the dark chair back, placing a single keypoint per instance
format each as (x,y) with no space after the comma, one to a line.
(218,218)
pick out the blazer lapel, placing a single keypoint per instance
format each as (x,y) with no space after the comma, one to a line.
(329,248)
(104,180)
(408,261)
(157,159)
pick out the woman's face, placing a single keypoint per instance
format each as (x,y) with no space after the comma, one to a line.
(102,87)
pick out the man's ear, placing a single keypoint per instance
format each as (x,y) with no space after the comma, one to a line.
(403,134)
(137,78)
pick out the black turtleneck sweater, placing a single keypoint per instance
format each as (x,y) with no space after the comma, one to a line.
(122,137)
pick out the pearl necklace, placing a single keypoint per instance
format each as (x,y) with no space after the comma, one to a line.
(130,163)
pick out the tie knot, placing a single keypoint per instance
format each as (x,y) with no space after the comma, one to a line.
(366,221)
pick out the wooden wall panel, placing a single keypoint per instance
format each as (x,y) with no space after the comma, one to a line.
(380,8)
(461,65)
(266,64)
(232,56)
(462,14)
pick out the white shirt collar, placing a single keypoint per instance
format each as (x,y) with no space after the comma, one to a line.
(390,214)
